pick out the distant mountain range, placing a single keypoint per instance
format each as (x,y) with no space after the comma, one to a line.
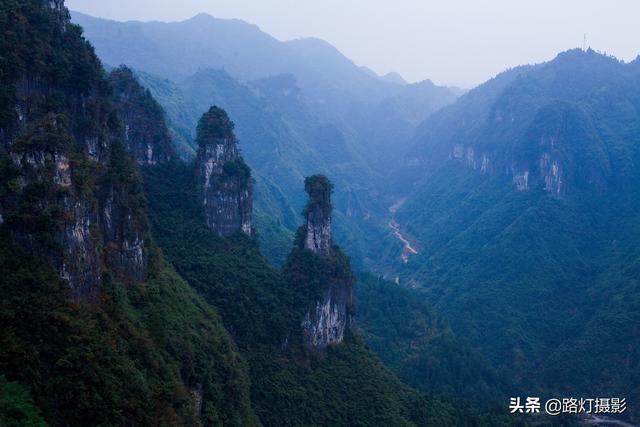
(178,50)
(299,107)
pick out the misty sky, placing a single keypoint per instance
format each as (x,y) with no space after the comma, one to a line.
(460,42)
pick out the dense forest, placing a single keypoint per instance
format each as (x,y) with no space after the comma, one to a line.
(526,218)
(210,238)
(117,336)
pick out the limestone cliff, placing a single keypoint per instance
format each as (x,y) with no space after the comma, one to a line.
(330,314)
(318,215)
(69,193)
(144,130)
(223,178)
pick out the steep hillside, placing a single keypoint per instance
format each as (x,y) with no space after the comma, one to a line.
(419,346)
(96,327)
(145,133)
(521,202)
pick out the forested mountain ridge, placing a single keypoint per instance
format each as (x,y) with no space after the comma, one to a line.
(96,325)
(242,49)
(522,202)
(518,124)
(98,328)
(145,133)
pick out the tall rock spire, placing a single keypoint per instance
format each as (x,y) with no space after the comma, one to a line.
(329,315)
(318,215)
(223,177)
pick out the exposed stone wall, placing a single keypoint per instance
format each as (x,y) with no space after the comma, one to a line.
(224,180)
(318,215)
(326,321)
(144,129)
(73,196)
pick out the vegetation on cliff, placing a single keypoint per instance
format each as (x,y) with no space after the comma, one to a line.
(142,352)
(263,308)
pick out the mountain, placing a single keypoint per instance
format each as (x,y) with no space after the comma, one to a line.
(419,346)
(241,49)
(97,326)
(284,141)
(394,77)
(301,106)
(397,117)
(308,366)
(145,133)
(134,286)
(520,200)
(134,290)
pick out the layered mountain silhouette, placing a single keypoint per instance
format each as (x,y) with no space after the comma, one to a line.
(176,233)
(521,198)
(301,106)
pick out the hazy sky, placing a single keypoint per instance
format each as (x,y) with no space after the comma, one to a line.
(461,42)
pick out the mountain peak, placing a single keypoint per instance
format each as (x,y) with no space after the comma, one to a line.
(588,56)
(394,77)
(202,17)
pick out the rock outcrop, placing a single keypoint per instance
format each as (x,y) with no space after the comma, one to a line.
(326,321)
(318,215)
(144,130)
(69,193)
(223,178)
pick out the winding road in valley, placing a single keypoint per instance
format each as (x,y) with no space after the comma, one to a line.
(395,226)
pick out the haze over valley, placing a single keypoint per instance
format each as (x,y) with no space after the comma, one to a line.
(203,224)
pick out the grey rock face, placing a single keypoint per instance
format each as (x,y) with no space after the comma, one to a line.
(80,258)
(71,249)
(327,320)
(74,199)
(87,232)
(124,238)
(318,215)
(318,238)
(326,323)
(223,178)
(56,4)
(144,132)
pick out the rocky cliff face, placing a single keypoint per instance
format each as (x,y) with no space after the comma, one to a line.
(144,130)
(560,151)
(223,178)
(326,321)
(69,193)
(554,127)
(318,215)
